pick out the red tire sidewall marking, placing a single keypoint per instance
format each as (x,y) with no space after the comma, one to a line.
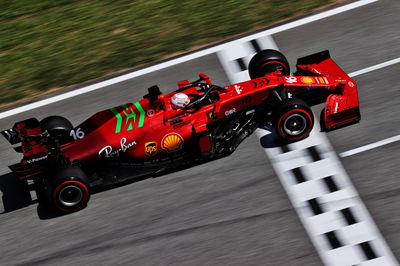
(274,62)
(283,117)
(85,196)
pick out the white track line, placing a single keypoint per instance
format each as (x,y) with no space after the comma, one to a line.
(370,146)
(375,67)
(381,142)
(182,59)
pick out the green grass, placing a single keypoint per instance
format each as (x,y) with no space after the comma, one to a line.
(48,44)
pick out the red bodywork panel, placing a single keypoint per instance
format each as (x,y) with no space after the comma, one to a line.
(151,128)
(342,107)
(124,131)
(34,149)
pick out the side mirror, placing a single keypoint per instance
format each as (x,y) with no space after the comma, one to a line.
(154,91)
(204,77)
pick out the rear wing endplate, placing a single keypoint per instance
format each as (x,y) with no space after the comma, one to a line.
(11,135)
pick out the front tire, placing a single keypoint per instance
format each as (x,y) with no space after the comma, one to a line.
(268,61)
(70,191)
(293,120)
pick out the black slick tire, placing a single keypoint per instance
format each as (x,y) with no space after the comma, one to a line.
(69,191)
(268,61)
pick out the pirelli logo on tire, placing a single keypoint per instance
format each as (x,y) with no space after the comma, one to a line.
(150,148)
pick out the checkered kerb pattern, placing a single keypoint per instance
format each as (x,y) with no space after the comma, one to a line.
(346,216)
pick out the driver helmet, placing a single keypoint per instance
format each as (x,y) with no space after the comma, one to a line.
(179,100)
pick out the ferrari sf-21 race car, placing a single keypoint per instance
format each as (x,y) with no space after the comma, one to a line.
(151,137)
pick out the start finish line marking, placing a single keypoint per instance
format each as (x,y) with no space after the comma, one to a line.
(321,192)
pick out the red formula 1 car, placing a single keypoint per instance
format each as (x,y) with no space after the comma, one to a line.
(150,137)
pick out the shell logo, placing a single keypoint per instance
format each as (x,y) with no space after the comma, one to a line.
(172,142)
(307,80)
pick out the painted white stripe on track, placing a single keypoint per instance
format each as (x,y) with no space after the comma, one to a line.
(375,67)
(370,146)
(317,184)
(381,142)
(182,59)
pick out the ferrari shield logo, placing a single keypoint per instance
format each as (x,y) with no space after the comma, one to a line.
(150,148)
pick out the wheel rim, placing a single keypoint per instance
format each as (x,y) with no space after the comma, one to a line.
(295,124)
(70,195)
(277,67)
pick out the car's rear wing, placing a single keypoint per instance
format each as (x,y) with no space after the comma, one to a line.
(11,135)
(342,106)
(28,133)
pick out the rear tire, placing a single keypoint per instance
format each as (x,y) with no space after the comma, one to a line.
(293,119)
(70,191)
(56,126)
(268,61)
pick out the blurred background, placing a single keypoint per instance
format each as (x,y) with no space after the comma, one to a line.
(46,45)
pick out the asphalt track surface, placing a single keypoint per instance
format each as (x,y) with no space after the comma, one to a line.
(233,211)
